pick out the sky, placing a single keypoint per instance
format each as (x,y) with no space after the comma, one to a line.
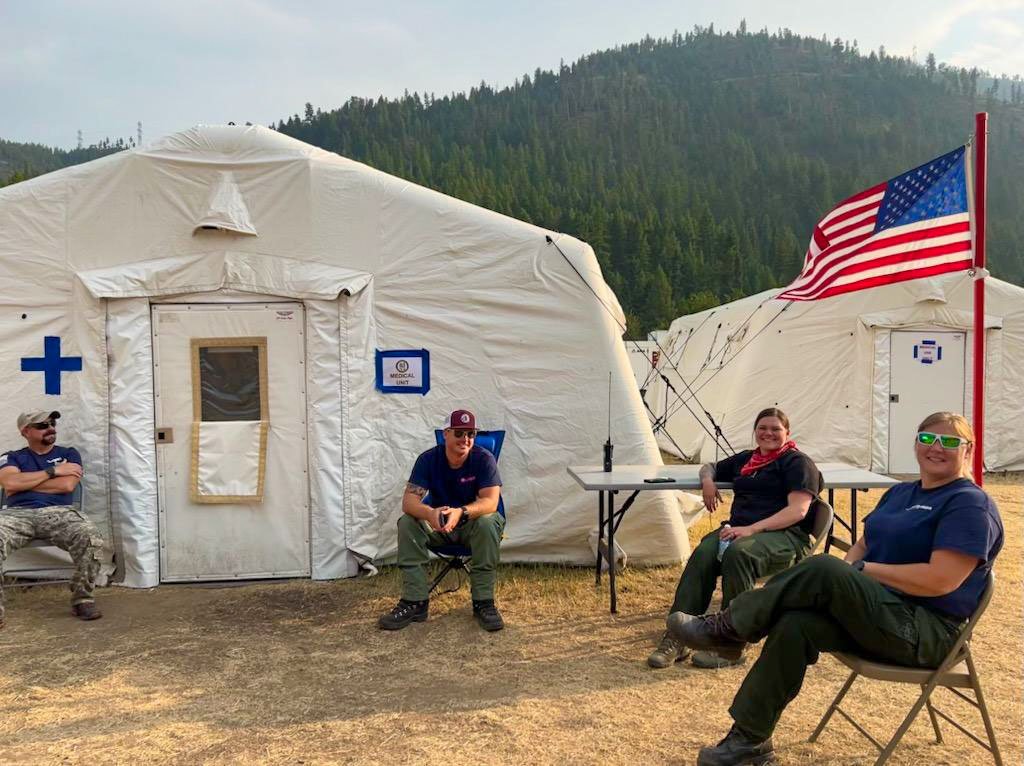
(102,66)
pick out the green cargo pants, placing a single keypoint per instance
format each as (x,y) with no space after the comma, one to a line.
(481,535)
(825,605)
(744,562)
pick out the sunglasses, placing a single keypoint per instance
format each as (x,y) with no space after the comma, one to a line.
(459,433)
(43,426)
(948,442)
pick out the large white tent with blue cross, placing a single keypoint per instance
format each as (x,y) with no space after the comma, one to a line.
(250,339)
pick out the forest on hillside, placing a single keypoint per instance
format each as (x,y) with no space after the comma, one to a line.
(19,162)
(697,165)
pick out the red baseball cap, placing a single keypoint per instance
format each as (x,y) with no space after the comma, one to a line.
(461,419)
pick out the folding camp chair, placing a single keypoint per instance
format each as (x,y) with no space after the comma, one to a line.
(455,556)
(955,672)
(822,526)
(77,500)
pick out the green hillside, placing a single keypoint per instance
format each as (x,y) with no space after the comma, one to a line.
(696,166)
(19,162)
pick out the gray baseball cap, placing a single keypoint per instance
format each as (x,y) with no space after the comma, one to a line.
(37,416)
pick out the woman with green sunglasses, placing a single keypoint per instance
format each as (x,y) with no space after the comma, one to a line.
(901,594)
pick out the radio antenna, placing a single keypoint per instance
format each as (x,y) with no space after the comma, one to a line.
(608,447)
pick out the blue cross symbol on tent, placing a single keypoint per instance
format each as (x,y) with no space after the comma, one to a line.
(51,364)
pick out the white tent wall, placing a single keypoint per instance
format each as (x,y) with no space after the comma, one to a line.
(825,363)
(379,263)
(639,353)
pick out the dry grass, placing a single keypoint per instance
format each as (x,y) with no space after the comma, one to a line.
(297,673)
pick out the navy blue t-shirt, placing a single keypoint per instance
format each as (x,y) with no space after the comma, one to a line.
(766,491)
(26,461)
(910,522)
(454,487)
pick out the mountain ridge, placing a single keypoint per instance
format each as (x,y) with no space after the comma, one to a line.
(695,165)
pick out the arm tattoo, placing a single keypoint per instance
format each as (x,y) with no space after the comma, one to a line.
(413,489)
(707,471)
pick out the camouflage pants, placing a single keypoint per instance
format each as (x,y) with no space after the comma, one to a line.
(59,525)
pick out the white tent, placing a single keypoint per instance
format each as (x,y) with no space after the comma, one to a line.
(207,313)
(855,373)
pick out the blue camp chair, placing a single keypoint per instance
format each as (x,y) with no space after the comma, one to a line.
(454,555)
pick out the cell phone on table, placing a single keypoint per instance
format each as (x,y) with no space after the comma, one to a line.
(659,480)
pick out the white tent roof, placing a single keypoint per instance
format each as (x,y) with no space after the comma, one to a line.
(821,363)
(513,332)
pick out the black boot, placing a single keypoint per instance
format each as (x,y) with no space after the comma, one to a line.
(738,749)
(487,615)
(711,632)
(404,612)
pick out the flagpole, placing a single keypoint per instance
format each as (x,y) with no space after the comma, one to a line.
(980,172)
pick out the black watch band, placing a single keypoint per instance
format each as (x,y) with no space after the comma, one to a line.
(51,471)
(859,565)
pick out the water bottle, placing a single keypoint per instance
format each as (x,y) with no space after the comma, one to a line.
(723,544)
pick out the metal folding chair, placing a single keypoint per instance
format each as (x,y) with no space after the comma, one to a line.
(823,518)
(955,672)
(77,499)
(455,556)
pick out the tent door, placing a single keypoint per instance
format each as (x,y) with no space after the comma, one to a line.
(230,400)
(926,375)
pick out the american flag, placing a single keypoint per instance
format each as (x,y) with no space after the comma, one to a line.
(912,226)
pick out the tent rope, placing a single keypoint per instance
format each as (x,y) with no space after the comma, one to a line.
(622,327)
(726,363)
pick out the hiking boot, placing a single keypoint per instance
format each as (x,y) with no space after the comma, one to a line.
(86,610)
(738,749)
(714,632)
(712,661)
(669,651)
(487,615)
(404,613)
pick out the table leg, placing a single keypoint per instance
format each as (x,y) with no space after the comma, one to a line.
(853,516)
(611,549)
(600,537)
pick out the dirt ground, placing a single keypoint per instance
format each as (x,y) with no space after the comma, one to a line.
(297,673)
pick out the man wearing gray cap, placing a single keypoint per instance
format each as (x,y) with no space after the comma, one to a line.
(40,480)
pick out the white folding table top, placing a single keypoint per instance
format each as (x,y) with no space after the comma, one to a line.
(631,477)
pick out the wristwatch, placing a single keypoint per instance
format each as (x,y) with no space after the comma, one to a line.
(51,471)
(465,515)
(859,565)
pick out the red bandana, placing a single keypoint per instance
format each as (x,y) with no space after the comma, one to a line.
(758,461)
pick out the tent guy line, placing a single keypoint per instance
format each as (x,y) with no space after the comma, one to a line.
(622,327)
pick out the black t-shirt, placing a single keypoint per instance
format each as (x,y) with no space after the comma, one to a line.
(766,491)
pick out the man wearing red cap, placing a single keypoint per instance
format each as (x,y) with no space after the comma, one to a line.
(40,480)
(464,487)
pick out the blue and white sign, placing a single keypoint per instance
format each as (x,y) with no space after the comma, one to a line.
(403,371)
(928,352)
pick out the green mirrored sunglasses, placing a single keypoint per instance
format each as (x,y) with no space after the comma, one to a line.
(948,442)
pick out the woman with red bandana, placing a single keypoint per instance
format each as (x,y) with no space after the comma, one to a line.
(768,529)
